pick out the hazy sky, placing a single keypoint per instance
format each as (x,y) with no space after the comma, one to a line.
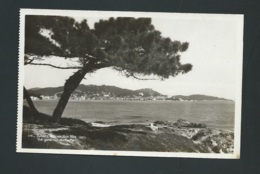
(212,51)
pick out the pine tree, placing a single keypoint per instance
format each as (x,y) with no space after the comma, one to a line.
(130,45)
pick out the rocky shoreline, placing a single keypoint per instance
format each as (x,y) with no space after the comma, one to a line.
(160,136)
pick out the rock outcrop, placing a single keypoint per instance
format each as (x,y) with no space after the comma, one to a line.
(184,123)
(163,136)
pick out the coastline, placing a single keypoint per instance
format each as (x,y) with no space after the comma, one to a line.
(160,136)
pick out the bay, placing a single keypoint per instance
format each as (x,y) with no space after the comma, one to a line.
(215,114)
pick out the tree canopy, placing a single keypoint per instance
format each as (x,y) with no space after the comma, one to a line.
(130,45)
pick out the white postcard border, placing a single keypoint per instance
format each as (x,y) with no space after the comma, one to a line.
(74,13)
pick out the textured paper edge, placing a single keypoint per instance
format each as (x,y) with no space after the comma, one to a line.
(238,100)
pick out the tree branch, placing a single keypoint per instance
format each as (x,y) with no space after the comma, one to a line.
(138,78)
(28,61)
(58,67)
(129,74)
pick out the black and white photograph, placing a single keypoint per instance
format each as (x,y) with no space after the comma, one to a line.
(130,83)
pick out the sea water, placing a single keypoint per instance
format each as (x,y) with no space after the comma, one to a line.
(215,114)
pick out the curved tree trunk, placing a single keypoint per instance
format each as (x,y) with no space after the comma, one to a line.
(30,102)
(71,84)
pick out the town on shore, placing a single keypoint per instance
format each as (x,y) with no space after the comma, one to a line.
(127,98)
(107,97)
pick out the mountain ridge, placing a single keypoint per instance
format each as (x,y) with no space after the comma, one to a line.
(113,91)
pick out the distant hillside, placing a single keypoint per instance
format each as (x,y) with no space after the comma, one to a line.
(197,97)
(45,91)
(91,90)
(146,92)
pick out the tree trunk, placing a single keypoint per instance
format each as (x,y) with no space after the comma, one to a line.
(70,85)
(30,102)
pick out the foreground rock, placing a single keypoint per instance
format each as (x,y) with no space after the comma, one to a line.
(181,136)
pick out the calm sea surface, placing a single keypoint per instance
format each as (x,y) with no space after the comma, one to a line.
(215,114)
